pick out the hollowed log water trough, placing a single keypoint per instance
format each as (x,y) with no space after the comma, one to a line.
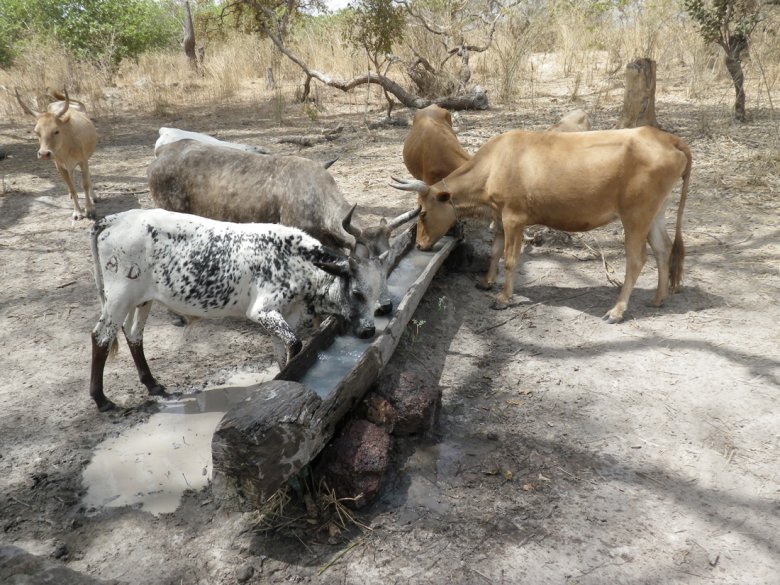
(266,439)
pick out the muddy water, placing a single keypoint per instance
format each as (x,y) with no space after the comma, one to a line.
(152,464)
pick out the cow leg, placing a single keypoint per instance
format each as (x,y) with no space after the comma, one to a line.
(134,334)
(89,194)
(513,242)
(66,175)
(103,343)
(99,357)
(661,244)
(274,323)
(636,254)
(496,250)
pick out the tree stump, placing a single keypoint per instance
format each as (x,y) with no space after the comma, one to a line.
(639,96)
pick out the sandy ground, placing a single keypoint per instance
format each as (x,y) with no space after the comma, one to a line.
(568,450)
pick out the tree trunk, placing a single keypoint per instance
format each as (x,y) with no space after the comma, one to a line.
(734,50)
(269,78)
(189,37)
(639,96)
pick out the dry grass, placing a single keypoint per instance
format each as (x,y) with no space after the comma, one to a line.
(587,54)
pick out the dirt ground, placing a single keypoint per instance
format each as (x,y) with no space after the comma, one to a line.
(567,451)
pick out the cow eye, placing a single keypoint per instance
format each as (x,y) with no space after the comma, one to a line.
(56,132)
(359,296)
(423,214)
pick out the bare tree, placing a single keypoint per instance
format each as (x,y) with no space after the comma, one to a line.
(273,19)
(463,27)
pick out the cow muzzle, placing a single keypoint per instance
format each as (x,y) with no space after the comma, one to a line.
(44,154)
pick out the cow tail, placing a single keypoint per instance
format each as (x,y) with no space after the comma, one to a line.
(678,248)
(97,271)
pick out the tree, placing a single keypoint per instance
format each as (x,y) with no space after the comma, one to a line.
(728,23)
(103,31)
(461,28)
(273,19)
(375,26)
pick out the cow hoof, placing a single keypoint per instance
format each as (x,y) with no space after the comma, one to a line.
(91,215)
(499,306)
(483,286)
(611,320)
(158,390)
(106,406)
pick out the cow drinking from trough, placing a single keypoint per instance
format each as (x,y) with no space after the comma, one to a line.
(229,185)
(568,181)
(68,136)
(274,275)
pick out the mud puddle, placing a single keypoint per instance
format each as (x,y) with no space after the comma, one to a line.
(152,464)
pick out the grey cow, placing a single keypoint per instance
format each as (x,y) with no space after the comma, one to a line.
(230,185)
(274,275)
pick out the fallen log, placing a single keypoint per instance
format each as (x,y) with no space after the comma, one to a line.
(262,442)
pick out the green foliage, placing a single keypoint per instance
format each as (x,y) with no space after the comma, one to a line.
(726,22)
(103,31)
(13,24)
(374,26)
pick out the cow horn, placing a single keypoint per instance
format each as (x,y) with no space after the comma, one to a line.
(414,185)
(26,109)
(347,224)
(403,218)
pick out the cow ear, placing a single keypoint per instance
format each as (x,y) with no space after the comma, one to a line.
(335,266)
(443,197)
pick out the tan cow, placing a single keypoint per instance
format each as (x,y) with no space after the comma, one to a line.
(58,101)
(68,136)
(575,121)
(567,181)
(431,149)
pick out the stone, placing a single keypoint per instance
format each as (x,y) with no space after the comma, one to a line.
(353,464)
(417,402)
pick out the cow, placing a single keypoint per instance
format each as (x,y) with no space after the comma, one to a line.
(169,135)
(229,185)
(69,137)
(573,181)
(575,121)
(431,149)
(57,101)
(274,275)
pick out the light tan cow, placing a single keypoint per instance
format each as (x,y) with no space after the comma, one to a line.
(431,149)
(575,121)
(69,137)
(58,101)
(568,181)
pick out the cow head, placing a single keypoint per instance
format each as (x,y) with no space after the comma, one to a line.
(362,280)
(437,212)
(374,242)
(49,126)
(435,112)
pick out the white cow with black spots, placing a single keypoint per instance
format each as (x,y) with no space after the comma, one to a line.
(275,275)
